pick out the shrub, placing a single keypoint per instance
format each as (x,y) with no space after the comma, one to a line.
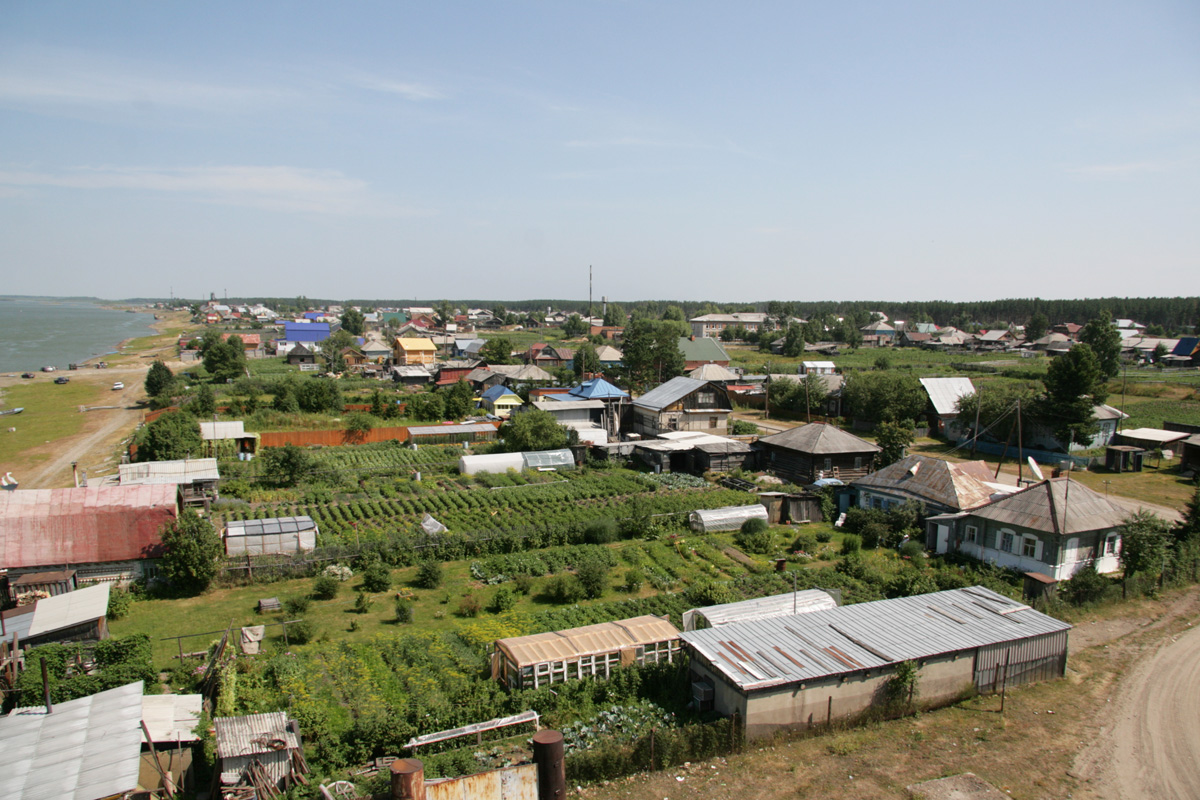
(564,589)
(362,603)
(600,531)
(1085,586)
(119,601)
(874,534)
(806,541)
(325,587)
(404,610)
(824,537)
(469,606)
(377,578)
(592,575)
(851,544)
(523,584)
(300,632)
(754,536)
(295,606)
(504,599)
(633,579)
(429,575)
(913,549)
(743,427)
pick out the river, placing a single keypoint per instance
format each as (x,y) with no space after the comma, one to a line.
(39,332)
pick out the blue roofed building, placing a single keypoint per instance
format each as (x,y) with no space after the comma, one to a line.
(306,331)
(500,401)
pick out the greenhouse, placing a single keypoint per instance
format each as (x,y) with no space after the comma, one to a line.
(780,605)
(502,462)
(528,662)
(729,518)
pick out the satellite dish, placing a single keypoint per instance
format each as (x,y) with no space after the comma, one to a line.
(1036,469)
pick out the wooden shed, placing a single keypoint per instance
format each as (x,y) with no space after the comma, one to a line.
(42,584)
(808,453)
(271,740)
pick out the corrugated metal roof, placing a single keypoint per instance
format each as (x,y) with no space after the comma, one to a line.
(670,392)
(603,637)
(169,472)
(702,348)
(1058,505)
(821,439)
(496,392)
(172,717)
(271,525)
(253,734)
(953,486)
(944,393)
(712,372)
(16,622)
(46,527)
(780,605)
(86,749)
(1154,435)
(598,389)
(415,343)
(567,405)
(783,650)
(450,430)
(70,608)
(230,429)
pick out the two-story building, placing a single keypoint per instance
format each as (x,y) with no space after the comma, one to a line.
(682,404)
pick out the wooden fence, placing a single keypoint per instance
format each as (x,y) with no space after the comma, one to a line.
(332,438)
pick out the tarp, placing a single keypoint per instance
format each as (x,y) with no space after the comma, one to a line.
(432,526)
(729,518)
(252,639)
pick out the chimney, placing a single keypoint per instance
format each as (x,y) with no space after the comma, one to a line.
(75,472)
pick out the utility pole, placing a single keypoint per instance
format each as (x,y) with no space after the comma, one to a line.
(1020,451)
(589,296)
(975,431)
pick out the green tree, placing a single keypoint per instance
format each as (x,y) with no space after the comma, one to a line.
(812,393)
(285,398)
(754,536)
(1160,352)
(497,351)
(426,406)
(574,327)
(996,406)
(593,576)
(444,313)
(159,379)
(429,575)
(1101,335)
(1144,543)
(319,395)
(357,426)
(1187,530)
(586,361)
(534,430)
(172,436)
(192,552)
(377,404)
(651,353)
(1036,327)
(893,438)
(287,465)
(1074,386)
(883,396)
(354,321)
(225,360)
(793,341)
(614,316)
(459,400)
(204,403)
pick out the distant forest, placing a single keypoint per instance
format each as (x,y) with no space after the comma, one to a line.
(1174,314)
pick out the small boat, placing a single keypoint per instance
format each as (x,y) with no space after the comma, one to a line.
(10,411)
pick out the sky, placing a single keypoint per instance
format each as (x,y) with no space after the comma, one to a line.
(694,150)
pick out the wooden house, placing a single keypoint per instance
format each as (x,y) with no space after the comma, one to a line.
(407,351)
(808,453)
(682,404)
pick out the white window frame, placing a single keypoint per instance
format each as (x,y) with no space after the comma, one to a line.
(971,532)
(1029,546)
(1112,545)
(1007,541)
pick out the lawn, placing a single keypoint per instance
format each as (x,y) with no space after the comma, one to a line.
(51,413)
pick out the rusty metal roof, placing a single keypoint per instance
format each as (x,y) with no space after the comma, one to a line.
(93,524)
(253,734)
(821,439)
(604,637)
(954,486)
(1058,505)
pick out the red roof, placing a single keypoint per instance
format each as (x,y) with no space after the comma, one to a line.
(94,524)
(247,338)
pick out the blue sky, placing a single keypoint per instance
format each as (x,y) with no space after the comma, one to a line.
(690,150)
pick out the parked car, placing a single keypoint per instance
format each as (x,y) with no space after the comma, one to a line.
(118,386)
(62,379)
(47,369)
(26,374)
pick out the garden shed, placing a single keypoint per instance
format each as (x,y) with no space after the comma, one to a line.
(528,662)
(258,537)
(797,672)
(780,605)
(270,739)
(729,518)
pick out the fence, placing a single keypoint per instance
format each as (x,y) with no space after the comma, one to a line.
(332,438)
(1040,456)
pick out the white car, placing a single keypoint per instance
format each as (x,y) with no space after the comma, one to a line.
(118,386)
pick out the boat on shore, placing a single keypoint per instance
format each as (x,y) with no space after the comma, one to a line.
(10,411)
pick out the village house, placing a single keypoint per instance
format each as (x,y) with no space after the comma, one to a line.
(500,401)
(940,486)
(712,325)
(408,351)
(1054,527)
(808,453)
(699,351)
(682,404)
(942,411)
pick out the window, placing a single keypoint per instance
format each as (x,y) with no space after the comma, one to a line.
(972,532)
(1112,545)
(858,462)
(713,422)
(706,398)
(1006,542)
(828,464)
(1028,546)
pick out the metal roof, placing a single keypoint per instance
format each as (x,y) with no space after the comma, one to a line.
(567,405)
(496,392)
(68,609)
(253,734)
(821,439)
(597,389)
(782,650)
(944,393)
(1154,435)
(604,637)
(670,392)
(415,343)
(86,749)
(172,717)
(1058,505)
(450,430)
(702,348)
(780,605)
(271,525)
(712,372)
(169,472)
(48,527)
(819,365)
(232,429)
(953,486)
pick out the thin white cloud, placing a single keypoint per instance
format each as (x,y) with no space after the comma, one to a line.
(628,141)
(1125,170)
(406,89)
(280,188)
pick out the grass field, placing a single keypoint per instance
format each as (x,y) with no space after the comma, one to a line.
(51,412)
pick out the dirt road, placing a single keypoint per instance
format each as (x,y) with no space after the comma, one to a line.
(1150,745)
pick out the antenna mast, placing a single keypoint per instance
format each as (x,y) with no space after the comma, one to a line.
(589,295)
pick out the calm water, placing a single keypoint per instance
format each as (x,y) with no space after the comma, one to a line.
(36,333)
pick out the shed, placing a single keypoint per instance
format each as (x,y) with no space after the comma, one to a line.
(729,518)
(780,605)
(197,478)
(1149,438)
(271,739)
(84,749)
(807,453)
(1123,458)
(526,662)
(256,537)
(47,583)
(230,430)
(801,671)
(75,616)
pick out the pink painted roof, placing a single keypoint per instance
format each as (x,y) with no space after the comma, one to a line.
(45,527)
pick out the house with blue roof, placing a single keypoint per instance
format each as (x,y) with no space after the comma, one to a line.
(500,401)
(1186,353)
(306,331)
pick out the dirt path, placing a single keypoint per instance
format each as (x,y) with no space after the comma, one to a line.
(1150,745)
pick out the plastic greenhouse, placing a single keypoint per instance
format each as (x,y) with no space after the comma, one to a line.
(502,462)
(730,518)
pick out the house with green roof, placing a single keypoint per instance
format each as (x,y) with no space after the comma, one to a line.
(700,350)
